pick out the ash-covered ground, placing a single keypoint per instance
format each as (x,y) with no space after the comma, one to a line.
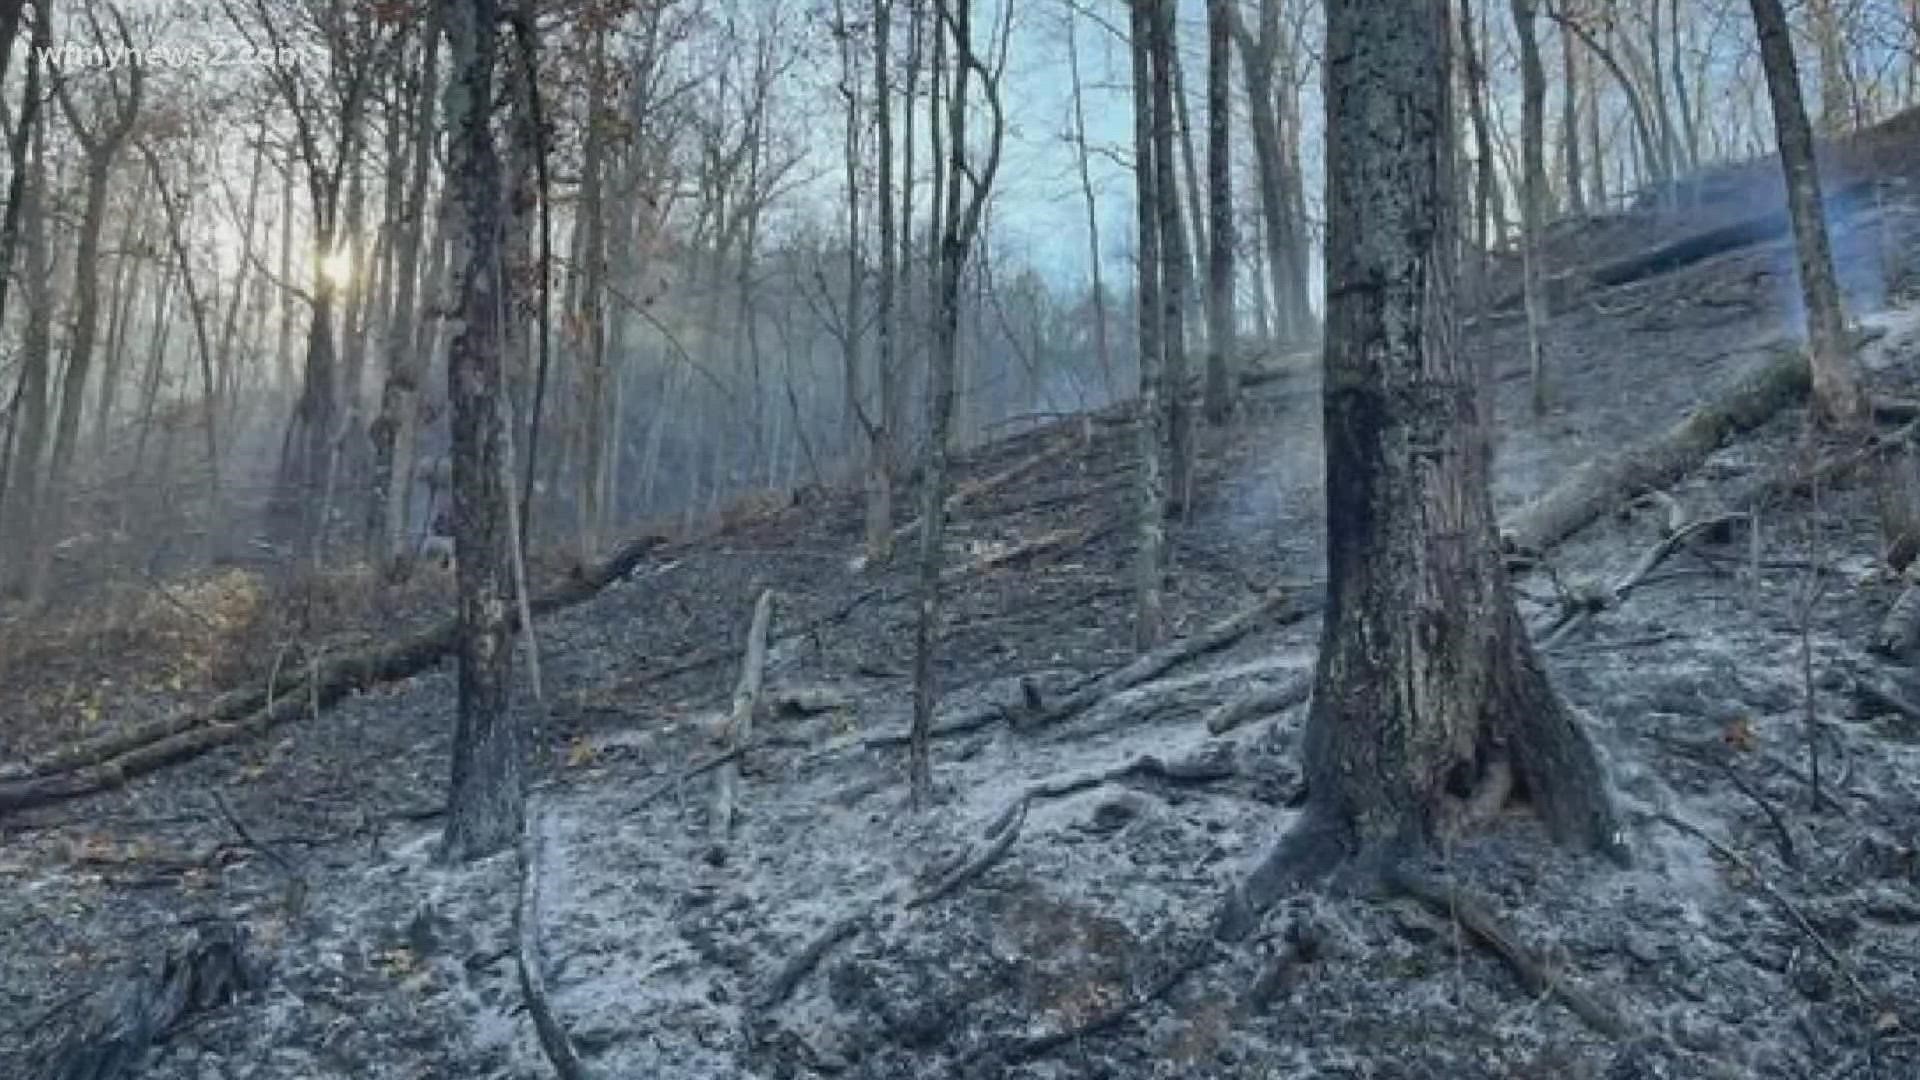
(1791,950)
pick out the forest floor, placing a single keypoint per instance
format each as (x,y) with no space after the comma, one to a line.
(1763,937)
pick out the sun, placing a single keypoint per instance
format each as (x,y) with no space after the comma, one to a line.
(337,268)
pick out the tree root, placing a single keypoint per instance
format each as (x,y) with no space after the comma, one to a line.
(1535,973)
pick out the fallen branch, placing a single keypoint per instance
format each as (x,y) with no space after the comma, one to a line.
(1051,540)
(1792,479)
(973,868)
(554,1041)
(325,683)
(1538,976)
(737,730)
(1005,829)
(1578,607)
(1281,607)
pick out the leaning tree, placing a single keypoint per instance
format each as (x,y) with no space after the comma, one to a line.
(1427,688)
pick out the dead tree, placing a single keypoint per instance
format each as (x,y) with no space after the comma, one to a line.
(968,185)
(1408,707)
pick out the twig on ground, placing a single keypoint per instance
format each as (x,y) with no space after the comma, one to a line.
(795,970)
(1538,976)
(1792,911)
(1281,606)
(1198,956)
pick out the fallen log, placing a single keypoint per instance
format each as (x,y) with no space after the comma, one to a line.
(1688,250)
(968,492)
(1602,483)
(1280,607)
(97,764)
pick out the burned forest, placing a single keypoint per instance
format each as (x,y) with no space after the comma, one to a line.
(1029,539)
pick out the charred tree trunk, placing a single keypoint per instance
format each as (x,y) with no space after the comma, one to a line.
(1838,398)
(1426,679)
(486,805)
(880,463)
(1220,336)
(20,524)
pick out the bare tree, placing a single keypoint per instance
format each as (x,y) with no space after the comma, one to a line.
(1426,675)
(1081,158)
(969,184)
(1836,386)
